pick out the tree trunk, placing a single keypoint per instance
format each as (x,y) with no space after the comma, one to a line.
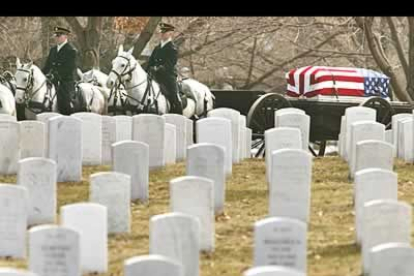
(377,52)
(145,35)
(88,40)
(45,37)
(410,77)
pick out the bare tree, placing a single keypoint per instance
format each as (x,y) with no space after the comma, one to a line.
(88,39)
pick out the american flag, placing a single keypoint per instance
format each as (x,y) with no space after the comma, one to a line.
(310,81)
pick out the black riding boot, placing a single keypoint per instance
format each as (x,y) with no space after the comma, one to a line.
(176,105)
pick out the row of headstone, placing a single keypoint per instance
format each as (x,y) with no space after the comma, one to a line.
(395,129)
(361,131)
(240,134)
(7,118)
(79,244)
(352,115)
(405,140)
(20,140)
(280,138)
(294,118)
(400,135)
(383,224)
(384,221)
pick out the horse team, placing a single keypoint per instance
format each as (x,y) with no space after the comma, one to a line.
(126,90)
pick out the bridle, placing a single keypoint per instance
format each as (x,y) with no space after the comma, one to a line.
(125,72)
(29,93)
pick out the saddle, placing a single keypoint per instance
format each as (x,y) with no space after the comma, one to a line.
(183,94)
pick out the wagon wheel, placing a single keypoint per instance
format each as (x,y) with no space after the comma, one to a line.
(384,110)
(321,151)
(261,117)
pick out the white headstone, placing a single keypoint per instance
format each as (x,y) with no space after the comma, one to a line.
(273,270)
(13,220)
(371,184)
(352,115)
(280,241)
(234,117)
(65,147)
(296,120)
(54,251)
(195,196)
(280,138)
(248,141)
(113,190)
(44,117)
(4,271)
(7,118)
(189,132)
(388,136)
(9,147)
(290,186)
(405,128)
(360,131)
(392,259)
(170,143)
(342,136)
(38,175)
(91,137)
(374,154)
(384,221)
(287,110)
(177,236)
(217,131)
(207,160)
(180,123)
(242,136)
(123,127)
(394,127)
(150,129)
(90,220)
(132,158)
(32,139)
(154,265)
(109,133)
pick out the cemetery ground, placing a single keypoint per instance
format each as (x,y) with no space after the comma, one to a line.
(331,240)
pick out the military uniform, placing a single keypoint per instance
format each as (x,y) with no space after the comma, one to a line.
(162,64)
(62,65)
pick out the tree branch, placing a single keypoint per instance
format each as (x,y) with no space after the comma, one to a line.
(279,66)
(199,47)
(375,46)
(249,73)
(397,44)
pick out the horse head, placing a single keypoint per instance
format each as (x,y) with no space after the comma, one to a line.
(24,80)
(122,67)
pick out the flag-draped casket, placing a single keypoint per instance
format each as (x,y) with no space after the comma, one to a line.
(311,81)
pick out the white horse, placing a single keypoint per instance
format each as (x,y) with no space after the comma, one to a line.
(7,105)
(33,91)
(99,78)
(147,96)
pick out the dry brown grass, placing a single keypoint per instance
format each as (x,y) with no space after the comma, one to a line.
(331,247)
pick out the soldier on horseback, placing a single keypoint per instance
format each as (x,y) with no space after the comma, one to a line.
(61,65)
(162,65)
